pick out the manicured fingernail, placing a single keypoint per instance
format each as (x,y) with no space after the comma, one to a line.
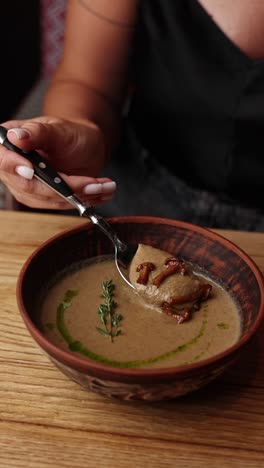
(109,187)
(93,189)
(21,133)
(25,172)
(98,189)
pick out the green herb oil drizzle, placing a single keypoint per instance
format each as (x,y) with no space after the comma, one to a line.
(223,325)
(78,347)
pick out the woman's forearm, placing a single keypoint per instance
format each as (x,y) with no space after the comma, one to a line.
(90,82)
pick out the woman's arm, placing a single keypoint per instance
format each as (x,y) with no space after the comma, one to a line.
(82,107)
(90,82)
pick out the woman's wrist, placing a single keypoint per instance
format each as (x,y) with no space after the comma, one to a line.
(82,104)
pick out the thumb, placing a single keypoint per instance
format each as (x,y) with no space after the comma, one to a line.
(45,135)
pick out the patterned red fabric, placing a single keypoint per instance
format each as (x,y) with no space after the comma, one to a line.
(52,25)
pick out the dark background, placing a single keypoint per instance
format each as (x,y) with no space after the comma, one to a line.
(20,40)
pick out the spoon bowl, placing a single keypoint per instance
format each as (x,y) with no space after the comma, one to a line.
(124,253)
(123,258)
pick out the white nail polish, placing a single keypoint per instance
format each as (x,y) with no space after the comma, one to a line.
(93,189)
(25,172)
(20,133)
(108,187)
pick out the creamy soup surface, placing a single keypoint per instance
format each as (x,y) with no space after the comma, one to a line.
(147,337)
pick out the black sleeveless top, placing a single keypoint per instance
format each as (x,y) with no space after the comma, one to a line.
(198,103)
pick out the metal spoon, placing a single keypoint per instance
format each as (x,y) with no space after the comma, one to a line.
(46,174)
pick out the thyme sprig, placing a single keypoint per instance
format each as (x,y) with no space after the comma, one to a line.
(107,312)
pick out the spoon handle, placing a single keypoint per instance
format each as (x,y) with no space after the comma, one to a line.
(42,170)
(105,228)
(46,174)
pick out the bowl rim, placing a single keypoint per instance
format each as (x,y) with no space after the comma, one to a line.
(83,364)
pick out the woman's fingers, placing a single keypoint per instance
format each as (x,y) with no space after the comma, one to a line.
(73,147)
(90,188)
(10,162)
(38,134)
(39,203)
(50,133)
(36,194)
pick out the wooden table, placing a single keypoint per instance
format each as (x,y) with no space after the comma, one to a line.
(47,420)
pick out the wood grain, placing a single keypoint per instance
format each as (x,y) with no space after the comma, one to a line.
(46,420)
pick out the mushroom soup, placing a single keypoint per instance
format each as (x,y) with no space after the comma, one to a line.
(176,315)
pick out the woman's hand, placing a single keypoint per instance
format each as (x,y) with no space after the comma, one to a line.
(75,149)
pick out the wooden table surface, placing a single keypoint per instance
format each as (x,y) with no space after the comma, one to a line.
(46,420)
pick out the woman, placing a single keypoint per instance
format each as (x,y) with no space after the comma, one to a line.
(188,145)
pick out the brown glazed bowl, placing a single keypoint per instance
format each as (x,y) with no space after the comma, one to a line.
(221,258)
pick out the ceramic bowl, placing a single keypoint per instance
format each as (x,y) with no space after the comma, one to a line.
(221,258)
